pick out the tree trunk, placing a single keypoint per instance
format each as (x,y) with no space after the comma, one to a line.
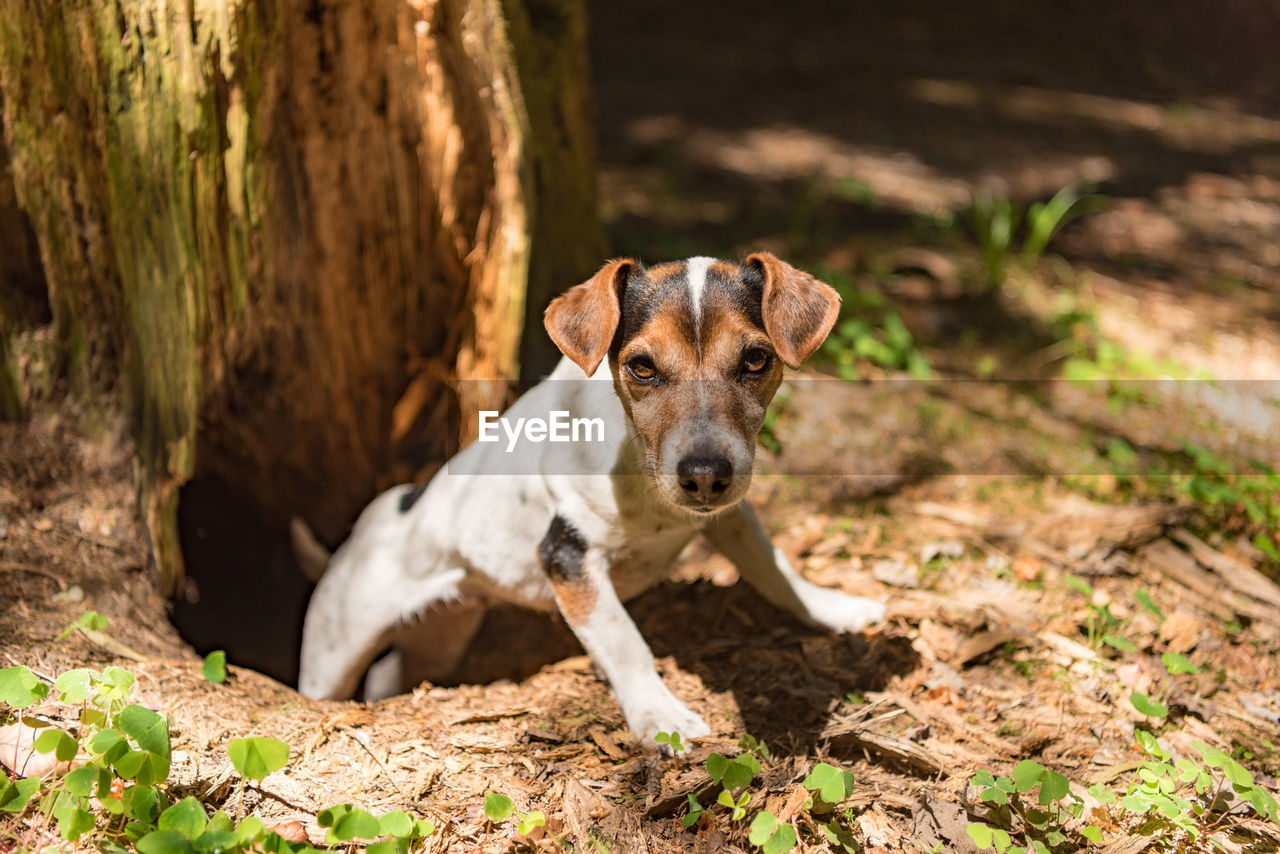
(23,295)
(550,41)
(278,230)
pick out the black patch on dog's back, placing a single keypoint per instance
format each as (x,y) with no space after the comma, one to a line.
(561,551)
(411,497)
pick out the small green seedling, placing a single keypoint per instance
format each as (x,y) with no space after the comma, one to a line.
(1148,706)
(528,822)
(695,813)
(756,747)
(346,823)
(770,834)
(831,785)
(498,807)
(1181,801)
(733,773)
(116,798)
(19,687)
(1175,664)
(214,668)
(1046,823)
(738,808)
(671,739)
(255,758)
(89,621)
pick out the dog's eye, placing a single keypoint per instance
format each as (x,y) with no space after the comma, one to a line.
(755,360)
(641,368)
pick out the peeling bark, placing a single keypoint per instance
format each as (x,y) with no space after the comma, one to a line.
(276,229)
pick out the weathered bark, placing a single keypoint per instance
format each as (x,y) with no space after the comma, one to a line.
(568,245)
(280,228)
(23,300)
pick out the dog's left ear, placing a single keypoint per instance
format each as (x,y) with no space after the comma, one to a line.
(583,320)
(798,309)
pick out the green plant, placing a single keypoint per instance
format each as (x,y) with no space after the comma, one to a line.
(1045,219)
(1175,664)
(672,740)
(755,747)
(996,222)
(1175,803)
(254,759)
(527,822)
(1102,626)
(214,668)
(1244,498)
(771,835)
(89,621)
(116,793)
(1019,823)
(345,824)
(827,787)
(498,807)
(869,332)
(1179,799)
(733,773)
(993,220)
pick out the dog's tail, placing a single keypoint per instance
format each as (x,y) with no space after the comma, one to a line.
(310,553)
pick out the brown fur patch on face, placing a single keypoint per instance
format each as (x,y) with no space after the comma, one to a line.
(725,270)
(659,275)
(668,341)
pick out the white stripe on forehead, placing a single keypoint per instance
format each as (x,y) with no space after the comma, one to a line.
(696,275)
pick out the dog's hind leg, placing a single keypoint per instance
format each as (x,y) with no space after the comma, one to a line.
(366,596)
(427,649)
(354,614)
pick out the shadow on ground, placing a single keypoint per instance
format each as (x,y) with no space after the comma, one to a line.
(785,678)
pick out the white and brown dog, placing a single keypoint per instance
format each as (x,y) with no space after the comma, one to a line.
(680,360)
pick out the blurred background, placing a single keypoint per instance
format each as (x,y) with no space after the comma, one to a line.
(263,245)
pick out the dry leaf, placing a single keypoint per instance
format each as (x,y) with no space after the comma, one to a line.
(1181,632)
(1028,568)
(18,755)
(292,831)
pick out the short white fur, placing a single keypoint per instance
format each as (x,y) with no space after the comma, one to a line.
(696,275)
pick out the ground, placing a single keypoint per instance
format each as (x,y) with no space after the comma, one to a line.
(1042,544)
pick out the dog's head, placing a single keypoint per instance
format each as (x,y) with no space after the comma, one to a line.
(696,350)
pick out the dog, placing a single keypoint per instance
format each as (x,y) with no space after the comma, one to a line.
(679,361)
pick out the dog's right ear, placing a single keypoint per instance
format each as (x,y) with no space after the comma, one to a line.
(583,320)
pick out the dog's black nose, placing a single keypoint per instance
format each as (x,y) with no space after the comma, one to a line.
(704,478)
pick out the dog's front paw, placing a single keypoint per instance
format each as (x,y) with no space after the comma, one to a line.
(661,711)
(841,612)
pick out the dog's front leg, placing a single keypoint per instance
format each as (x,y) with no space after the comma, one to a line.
(585,594)
(739,536)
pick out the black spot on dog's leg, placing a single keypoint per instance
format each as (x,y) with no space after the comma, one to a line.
(561,551)
(411,497)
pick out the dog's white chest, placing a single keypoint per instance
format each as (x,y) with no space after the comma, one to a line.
(644,564)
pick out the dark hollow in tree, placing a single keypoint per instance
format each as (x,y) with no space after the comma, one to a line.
(273,234)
